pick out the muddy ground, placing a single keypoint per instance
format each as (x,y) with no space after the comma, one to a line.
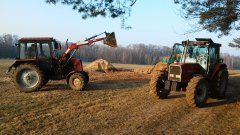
(114,103)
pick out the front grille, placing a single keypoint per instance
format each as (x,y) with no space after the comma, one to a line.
(174,73)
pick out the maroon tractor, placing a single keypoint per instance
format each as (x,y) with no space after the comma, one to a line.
(194,67)
(40,60)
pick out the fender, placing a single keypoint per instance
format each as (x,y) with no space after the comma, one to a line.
(18,62)
(216,69)
(77,65)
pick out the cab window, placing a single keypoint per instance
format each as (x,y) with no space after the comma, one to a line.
(212,55)
(43,50)
(27,50)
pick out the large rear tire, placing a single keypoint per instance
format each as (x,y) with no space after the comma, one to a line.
(28,78)
(77,81)
(197,91)
(220,84)
(157,86)
(45,80)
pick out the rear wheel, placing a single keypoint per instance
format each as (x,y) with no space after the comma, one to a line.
(220,84)
(28,78)
(45,80)
(157,86)
(77,81)
(197,91)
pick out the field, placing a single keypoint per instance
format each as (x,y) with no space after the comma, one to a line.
(114,103)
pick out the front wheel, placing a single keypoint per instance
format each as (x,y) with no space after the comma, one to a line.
(77,81)
(197,91)
(157,84)
(163,93)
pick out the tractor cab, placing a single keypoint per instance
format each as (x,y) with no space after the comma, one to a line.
(38,48)
(193,57)
(42,51)
(203,51)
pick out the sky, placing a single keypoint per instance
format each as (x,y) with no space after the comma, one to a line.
(153,22)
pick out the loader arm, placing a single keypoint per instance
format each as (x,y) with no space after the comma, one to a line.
(75,46)
(109,40)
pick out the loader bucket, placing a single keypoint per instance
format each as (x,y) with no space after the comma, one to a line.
(110,40)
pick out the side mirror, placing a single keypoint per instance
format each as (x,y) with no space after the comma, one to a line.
(17,44)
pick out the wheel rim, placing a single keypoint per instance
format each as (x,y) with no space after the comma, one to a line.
(201,93)
(28,78)
(77,82)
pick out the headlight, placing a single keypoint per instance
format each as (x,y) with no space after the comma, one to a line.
(178,76)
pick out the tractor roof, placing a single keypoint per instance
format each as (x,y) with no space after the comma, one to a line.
(202,41)
(36,39)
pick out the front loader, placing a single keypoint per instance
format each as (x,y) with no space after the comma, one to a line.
(39,61)
(194,67)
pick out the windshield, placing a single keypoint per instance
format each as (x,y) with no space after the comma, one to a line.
(177,53)
(196,54)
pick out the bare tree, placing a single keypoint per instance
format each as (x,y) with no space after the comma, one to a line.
(213,15)
(236,43)
(94,8)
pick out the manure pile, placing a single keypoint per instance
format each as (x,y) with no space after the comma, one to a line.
(100,65)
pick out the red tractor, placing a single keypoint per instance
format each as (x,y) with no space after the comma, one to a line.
(194,67)
(39,61)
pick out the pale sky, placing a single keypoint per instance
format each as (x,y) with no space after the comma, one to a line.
(154,22)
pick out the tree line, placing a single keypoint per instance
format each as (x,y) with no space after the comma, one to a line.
(7,48)
(131,54)
(233,62)
(139,54)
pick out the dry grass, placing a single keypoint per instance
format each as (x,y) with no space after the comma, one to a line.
(114,103)
(234,72)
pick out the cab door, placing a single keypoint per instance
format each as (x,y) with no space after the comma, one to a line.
(212,59)
(28,50)
(44,56)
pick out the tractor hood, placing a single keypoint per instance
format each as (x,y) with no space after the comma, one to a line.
(183,72)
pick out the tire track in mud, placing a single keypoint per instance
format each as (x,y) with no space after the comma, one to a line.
(117,107)
(136,112)
(169,117)
(72,110)
(56,104)
(28,113)
(218,117)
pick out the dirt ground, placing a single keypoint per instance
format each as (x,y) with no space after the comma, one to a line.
(114,103)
